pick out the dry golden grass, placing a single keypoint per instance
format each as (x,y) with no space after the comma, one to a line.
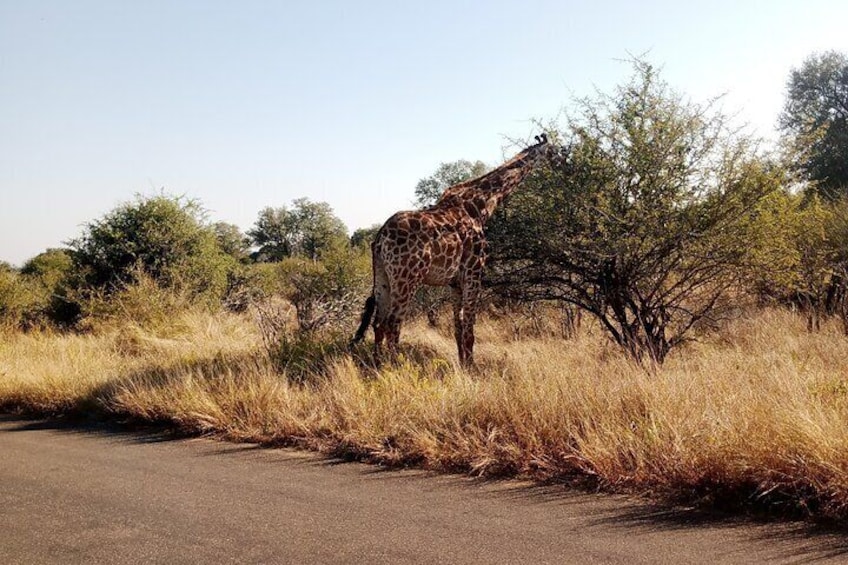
(51,373)
(754,416)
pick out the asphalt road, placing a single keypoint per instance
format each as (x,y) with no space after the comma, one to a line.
(94,495)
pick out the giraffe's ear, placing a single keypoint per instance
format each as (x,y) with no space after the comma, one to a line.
(544,138)
(538,139)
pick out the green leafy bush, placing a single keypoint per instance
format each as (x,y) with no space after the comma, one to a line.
(643,221)
(326,294)
(31,298)
(19,302)
(161,237)
(803,243)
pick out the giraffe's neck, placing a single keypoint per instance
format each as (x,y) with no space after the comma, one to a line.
(507,175)
(479,197)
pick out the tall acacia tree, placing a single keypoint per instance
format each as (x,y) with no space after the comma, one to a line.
(644,220)
(815,121)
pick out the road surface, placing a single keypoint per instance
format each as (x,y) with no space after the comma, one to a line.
(97,495)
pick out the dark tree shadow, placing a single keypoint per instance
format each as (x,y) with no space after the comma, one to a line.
(795,538)
(305,359)
(130,431)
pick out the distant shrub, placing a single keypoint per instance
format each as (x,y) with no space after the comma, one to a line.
(805,242)
(31,297)
(49,268)
(363,237)
(326,294)
(232,241)
(302,299)
(144,302)
(161,237)
(20,302)
(299,303)
(250,283)
(50,276)
(307,229)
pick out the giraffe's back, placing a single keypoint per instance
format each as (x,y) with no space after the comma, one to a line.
(422,246)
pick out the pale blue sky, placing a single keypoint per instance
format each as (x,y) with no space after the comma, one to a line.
(251,104)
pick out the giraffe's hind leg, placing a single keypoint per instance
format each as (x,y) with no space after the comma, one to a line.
(382,308)
(402,306)
(386,329)
(388,324)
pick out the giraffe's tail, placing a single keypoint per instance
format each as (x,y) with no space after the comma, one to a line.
(367,314)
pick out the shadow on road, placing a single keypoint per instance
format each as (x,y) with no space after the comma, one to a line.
(796,541)
(126,431)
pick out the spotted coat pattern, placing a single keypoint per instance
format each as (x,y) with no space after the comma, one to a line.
(443,245)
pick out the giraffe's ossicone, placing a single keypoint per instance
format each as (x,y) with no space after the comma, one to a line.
(443,245)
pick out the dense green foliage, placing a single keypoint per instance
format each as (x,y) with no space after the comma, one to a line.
(363,237)
(327,294)
(17,300)
(644,220)
(815,121)
(34,295)
(307,229)
(804,241)
(163,237)
(50,267)
(50,274)
(232,241)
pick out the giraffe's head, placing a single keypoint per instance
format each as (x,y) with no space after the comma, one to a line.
(513,171)
(516,170)
(537,152)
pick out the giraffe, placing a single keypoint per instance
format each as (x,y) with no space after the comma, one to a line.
(443,245)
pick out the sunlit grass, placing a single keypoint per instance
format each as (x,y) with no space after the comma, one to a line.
(755,415)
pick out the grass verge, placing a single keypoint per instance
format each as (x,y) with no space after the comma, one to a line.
(752,418)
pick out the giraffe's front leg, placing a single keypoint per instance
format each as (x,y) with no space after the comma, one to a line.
(393,335)
(464,315)
(456,302)
(379,336)
(467,336)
